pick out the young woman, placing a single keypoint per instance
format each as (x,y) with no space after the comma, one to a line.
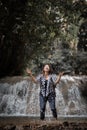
(48,82)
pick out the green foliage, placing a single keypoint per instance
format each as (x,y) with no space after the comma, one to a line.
(29,29)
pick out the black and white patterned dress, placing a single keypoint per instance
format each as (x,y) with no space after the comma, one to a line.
(47,86)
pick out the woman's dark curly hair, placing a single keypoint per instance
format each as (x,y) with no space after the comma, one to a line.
(50,66)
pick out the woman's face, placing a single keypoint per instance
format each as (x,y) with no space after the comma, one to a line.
(46,68)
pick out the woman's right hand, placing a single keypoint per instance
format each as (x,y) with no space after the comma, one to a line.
(31,75)
(28,71)
(61,73)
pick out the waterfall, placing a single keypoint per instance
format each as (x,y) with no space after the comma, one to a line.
(22,97)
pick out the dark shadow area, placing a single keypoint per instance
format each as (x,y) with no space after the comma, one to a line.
(82,44)
(83,90)
(12,15)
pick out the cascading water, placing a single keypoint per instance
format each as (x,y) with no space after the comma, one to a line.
(22,97)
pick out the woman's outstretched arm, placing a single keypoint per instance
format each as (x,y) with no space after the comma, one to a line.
(31,75)
(59,77)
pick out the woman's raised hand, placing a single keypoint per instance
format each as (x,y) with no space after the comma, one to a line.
(61,73)
(31,75)
(28,71)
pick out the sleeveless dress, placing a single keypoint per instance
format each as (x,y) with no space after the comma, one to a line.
(47,86)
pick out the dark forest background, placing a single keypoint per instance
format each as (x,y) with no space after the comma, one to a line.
(34,32)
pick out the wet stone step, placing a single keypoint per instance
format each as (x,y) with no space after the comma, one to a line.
(47,126)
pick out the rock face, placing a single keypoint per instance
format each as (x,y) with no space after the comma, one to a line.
(19,96)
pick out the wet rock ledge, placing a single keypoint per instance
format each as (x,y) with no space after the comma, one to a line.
(22,124)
